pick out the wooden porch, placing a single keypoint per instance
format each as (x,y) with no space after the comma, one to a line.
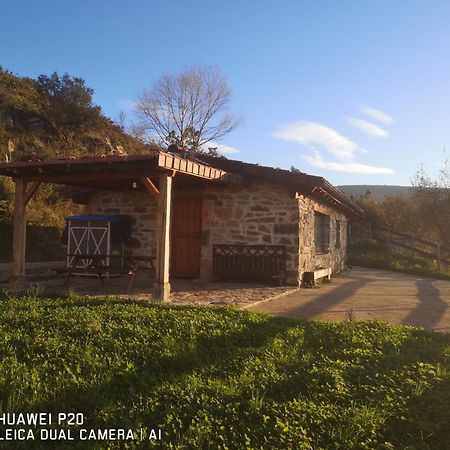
(152,173)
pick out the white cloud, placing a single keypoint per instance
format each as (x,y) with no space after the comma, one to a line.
(378,115)
(221,148)
(348,167)
(368,127)
(313,133)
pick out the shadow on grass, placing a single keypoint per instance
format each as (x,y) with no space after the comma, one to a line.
(426,423)
(208,351)
(427,412)
(116,396)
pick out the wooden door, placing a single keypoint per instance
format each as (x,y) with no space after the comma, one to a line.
(186,237)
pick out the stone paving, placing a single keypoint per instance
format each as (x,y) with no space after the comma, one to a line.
(362,294)
(222,294)
(183,291)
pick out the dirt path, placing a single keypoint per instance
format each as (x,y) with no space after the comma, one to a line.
(371,294)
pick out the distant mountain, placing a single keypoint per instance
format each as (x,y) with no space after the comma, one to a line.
(379,192)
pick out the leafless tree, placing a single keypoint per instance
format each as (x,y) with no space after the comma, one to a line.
(189,109)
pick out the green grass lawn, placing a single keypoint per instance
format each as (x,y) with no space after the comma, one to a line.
(221,378)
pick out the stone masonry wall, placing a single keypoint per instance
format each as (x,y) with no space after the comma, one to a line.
(262,213)
(139,205)
(309,260)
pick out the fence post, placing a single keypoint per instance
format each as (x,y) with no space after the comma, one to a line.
(438,255)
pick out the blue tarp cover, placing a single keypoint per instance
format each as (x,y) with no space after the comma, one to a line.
(104,217)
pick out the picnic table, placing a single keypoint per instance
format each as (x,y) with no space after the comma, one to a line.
(88,264)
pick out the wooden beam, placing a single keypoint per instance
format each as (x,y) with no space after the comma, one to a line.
(150,186)
(17,280)
(30,191)
(80,177)
(161,289)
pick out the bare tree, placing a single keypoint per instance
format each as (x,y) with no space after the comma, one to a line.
(188,109)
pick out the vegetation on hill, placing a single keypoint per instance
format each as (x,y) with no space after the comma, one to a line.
(372,253)
(222,378)
(425,214)
(52,116)
(395,213)
(395,225)
(377,191)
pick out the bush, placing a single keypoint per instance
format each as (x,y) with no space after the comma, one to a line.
(370,253)
(43,243)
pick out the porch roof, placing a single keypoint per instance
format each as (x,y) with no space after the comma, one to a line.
(95,171)
(117,172)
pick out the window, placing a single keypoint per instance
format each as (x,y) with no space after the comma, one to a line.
(321,232)
(338,234)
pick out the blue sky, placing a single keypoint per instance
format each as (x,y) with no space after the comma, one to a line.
(356,91)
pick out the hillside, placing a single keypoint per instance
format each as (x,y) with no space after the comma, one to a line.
(379,192)
(53,116)
(50,117)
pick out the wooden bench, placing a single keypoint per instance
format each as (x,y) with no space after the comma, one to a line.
(249,262)
(313,276)
(133,267)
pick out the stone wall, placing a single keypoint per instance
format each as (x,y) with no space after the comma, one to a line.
(262,213)
(309,260)
(140,206)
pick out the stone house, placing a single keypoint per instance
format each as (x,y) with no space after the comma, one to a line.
(304,213)
(198,203)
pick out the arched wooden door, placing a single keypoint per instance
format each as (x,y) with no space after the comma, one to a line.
(186,237)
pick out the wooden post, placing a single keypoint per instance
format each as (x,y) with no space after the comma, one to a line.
(19,236)
(161,289)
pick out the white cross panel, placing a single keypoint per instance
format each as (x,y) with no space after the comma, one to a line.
(97,243)
(77,242)
(87,242)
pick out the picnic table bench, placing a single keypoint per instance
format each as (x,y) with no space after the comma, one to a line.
(85,264)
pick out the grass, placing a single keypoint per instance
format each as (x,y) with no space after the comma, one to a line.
(217,378)
(369,253)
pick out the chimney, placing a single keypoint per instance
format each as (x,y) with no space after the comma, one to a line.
(175,148)
(180,151)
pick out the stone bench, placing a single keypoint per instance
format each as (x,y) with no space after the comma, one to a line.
(313,276)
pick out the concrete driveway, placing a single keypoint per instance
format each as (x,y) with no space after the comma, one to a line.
(370,294)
